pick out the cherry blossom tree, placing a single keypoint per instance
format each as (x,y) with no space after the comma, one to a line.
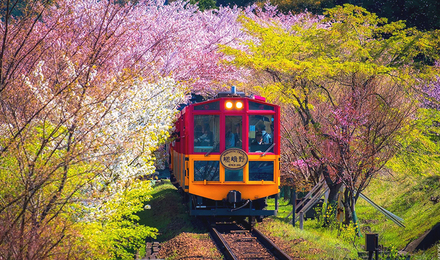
(345,80)
(88,91)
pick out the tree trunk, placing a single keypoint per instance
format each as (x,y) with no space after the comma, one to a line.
(292,195)
(333,194)
(350,210)
(332,202)
(353,213)
(286,193)
(347,207)
(334,187)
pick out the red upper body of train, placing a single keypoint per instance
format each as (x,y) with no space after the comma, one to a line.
(226,155)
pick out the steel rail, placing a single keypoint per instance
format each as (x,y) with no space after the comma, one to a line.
(262,239)
(276,251)
(221,242)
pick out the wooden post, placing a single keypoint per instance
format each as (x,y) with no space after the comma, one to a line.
(294,205)
(301,220)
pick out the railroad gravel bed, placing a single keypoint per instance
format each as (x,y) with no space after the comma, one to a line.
(189,246)
(246,246)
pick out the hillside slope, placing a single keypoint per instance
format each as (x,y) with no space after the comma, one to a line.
(416,199)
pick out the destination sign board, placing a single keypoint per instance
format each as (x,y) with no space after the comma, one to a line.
(234,158)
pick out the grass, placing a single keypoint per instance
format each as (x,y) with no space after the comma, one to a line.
(181,236)
(314,241)
(308,243)
(168,213)
(405,196)
(409,197)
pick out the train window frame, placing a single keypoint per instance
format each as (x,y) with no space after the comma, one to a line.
(224,131)
(252,137)
(243,175)
(215,130)
(207,106)
(262,106)
(260,161)
(193,179)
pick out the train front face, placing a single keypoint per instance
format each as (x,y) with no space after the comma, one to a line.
(232,156)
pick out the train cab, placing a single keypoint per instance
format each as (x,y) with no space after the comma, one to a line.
(226,155)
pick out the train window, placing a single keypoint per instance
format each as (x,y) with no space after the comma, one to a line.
(259,106)
(206,133)
(262,170)
(206,170)
(208,106)
(233,132)
(233,175)
(261,133)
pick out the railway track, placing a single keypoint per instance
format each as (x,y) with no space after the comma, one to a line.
(238,242)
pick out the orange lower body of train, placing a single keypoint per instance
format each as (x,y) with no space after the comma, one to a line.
(217,191)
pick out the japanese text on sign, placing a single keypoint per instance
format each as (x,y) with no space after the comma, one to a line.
(234,158)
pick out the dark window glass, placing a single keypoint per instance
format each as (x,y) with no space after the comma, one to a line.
(233,136)
(206,133)
(261,171)
(208,106)
(259,106)
(206,170)
(261,133)
(233,175)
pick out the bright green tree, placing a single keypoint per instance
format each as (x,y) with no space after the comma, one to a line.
(299,6)
(204,4)
(419,151)
(350,80)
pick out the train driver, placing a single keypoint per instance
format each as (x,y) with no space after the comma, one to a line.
(266,138)
(229,137)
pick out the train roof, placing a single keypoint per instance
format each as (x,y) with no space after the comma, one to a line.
(199,99)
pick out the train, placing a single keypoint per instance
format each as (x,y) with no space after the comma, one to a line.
(225,155)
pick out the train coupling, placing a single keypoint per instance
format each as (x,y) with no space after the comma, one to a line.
(233,196)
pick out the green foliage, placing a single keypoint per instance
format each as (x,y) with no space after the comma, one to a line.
(166,212)
(326,218)
(298,6)
(353,44)
(420,148)
(116,232)
(422,14)
(312,55)
(108,230)
(348,233)
(21,7)
(204,4)
(231,3)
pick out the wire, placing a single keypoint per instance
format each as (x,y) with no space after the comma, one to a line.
(242,206)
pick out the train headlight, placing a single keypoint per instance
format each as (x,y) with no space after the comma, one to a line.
(239,105)
(229,105)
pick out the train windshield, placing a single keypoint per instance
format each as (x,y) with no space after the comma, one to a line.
(261,133)
(233,132)
(206,133)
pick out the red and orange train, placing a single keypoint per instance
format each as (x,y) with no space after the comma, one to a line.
(226,155)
